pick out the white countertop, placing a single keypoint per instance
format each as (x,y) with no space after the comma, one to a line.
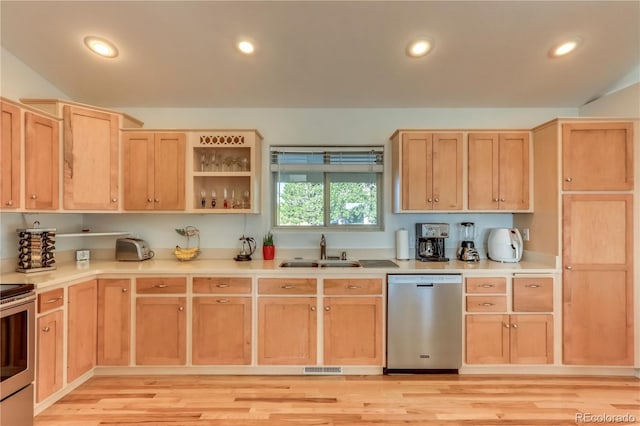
(74,271)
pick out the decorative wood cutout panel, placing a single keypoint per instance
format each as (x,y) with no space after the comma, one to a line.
(222,140)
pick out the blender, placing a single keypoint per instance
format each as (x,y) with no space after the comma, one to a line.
(467,251)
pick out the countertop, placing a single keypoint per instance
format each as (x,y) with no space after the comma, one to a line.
(74,271)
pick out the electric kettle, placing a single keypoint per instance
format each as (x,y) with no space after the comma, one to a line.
(505,245)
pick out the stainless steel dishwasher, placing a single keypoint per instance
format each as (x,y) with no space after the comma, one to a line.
(424,323)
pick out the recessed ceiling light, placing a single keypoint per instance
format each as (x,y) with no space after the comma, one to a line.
(564,48)
(101,46)
(246,47)
(419,48)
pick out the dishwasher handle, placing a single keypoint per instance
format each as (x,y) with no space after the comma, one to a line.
(424,285)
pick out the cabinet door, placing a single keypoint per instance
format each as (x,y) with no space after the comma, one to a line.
(114,321)
(483,167)
(10,138)
(90,154)
(221,330)
(598,279)
(41,151)
(531,339)
(447,171)
(487,339)
(597,156)
(138,170)
(287,330)
(161,330)
(498,166)
(169,176)
(352,331)
(81,356)
(50,352)
(514,171)
(417,185)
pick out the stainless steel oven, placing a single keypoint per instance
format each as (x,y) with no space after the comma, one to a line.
(17,353)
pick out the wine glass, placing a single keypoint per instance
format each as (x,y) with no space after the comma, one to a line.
(213,198)
(203,198)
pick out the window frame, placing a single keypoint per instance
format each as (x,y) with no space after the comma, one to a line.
(326,181)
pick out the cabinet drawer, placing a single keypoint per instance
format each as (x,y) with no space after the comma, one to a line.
(353,286)
(486,284)
(50,300)
(222,285)
(161,285)
(486,303)
(533,294)
(287,286)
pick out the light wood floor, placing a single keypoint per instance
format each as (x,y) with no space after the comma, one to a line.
(345,400)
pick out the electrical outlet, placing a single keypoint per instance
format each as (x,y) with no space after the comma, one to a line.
(525,234)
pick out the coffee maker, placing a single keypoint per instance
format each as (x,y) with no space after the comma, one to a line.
(467,251)
(430,239)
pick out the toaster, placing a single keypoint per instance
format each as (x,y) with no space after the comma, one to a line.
(132,249)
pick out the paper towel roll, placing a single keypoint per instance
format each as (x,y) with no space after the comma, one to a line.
(402,244)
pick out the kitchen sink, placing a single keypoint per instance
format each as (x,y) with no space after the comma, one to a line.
(299,264)
(306,263)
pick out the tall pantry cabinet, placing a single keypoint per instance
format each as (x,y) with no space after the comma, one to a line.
(586,214)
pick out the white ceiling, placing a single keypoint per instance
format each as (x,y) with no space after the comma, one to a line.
(327,53)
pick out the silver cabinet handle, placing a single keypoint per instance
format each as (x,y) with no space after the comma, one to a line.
(514,325)
(45,329)
(532,285)
(486,304)
(9,203)
(502,200)
(327,308)
(496,200)
(222,285)
(54,300)
(161,285)
(506,325)
(288,286)
(313,308)
(114,200)
(487,285)
(430,200)
(155,200)
(149,200)
(222,300)
(437,200)
(181,308)
(124,290)
(569,267)
(353,287)
(569,179)
(34,196)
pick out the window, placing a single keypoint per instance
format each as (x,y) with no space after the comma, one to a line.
(327,187)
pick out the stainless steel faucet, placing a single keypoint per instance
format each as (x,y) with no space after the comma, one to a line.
(323,248)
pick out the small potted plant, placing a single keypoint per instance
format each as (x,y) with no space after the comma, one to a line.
(268,249)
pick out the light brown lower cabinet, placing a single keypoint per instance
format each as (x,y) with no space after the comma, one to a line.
(161,331)
(82,329)
(352,331)
(221,330)
(287,330)
(114,321)
(50,362)
(504,339)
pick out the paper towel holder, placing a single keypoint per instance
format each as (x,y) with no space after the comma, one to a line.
(402,244)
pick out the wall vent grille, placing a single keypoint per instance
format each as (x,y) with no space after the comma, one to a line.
(323,370)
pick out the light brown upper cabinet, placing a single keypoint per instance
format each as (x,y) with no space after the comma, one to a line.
(597,156)
(498,171)
(90,154)
(427,171)
(154,170)
(10,140)
(41,164)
